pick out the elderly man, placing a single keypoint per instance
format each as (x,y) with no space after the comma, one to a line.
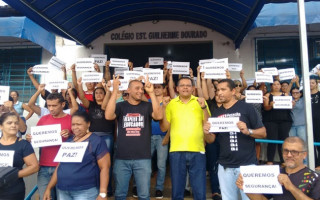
(298,181)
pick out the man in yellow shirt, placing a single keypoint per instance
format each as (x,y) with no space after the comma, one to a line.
(184,117)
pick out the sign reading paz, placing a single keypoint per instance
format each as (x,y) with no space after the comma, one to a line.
(6,158)
(155,61)
(155,76)
(282,102)
(254,96)
(180,67)
(71,152)
(100,59)
(57,85)
(132,75)
(4,93)
(84,64)
(261,179)
(48,135)
(92,77)
(116,62)
(223,124)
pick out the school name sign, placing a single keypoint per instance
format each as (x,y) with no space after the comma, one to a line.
(195,34)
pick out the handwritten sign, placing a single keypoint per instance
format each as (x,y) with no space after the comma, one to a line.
(282,102)
(180,67)
(155,76)
(4,94)
(123,85)
(100,59)
(71,152)
(58,85)
(40,69)
(263,77)
(6,158)
(155,61)
(262,179)
(55,63)
(92,77)
(254,96)
(286,74)
(224,124)
(235,66)
(84,64)
(48,135)
(132,75)
(116,62)
(270,70)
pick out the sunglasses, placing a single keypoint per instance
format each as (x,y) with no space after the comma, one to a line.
(125,94)
(239,85)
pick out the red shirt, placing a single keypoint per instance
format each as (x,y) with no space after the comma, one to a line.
(48,154)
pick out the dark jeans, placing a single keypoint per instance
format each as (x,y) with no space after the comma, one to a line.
(212,154)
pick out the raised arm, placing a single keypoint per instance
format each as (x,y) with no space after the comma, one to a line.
(106,98)
(84,100)
(107,75)
(33,80)
(172,93)
(33,99)
(164,124)
(199,83)
(211,89)
(27,108)
(243,80)
(75,106)
(111,106)
(63,68)
(266,104)
(157,113)
(74,76)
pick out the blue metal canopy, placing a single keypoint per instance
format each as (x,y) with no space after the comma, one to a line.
(85,20)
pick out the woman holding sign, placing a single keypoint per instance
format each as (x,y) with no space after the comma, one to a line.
(277,121)
(15,152)
(89,178)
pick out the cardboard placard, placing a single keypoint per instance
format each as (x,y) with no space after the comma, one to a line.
(71,152)
(48,135)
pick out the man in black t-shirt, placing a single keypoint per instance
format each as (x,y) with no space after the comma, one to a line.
(297,180)
(237,148)
(133,154)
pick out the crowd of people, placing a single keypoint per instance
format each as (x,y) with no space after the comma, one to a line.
(124,129)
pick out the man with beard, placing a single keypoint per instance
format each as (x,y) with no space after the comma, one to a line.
(298,181)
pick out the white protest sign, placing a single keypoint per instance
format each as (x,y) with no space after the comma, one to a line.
(120,71)
(270,70)
(92,77)
(116,62)
(57,85)
(169,65)
(180,67)
(4,93)
(40,69)
(221,63)
(286,74)
(282,102)
(223,124)
(155,76)
(132,75)
(155,61)
(219,74)
(71,152)
(123,85)
(56,63)
(235,67)
(6,158)
(100,59)
(139,69)
(84,64)
(206,61)
(254,96)
(48,135)
(263,77)
(261,179)
(315,69)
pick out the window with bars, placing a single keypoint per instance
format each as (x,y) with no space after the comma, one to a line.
(14,64)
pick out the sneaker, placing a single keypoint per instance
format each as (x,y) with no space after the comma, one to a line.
(187,193)
(216,196)
(134,192)
(159,194)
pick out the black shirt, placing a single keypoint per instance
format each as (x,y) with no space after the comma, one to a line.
(98,120)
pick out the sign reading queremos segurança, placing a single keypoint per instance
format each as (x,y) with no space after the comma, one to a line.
(158,35)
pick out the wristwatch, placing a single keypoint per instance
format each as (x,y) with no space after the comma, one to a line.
(250,131)
(103,195)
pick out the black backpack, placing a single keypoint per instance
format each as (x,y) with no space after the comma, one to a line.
(8,175)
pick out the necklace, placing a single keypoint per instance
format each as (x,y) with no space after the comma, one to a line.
(79,137)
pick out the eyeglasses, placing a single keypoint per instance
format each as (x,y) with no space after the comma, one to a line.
(188,86)
(295,92)
(239,85)
(125,94)
(293,152)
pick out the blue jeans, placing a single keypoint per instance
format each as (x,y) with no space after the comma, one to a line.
(195,164)
(162,154)
(299,131)
(212,154)
(44,176)
(108,138)
(89,194)
(123,170)
(227,179)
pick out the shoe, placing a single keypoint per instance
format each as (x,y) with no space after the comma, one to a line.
(134,192)
(187,193)
(216,196)
(159,194)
